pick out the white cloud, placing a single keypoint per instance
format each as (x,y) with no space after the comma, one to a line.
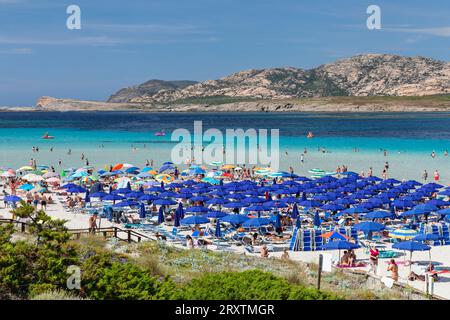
(147,28)
(438,31)
(17,51)
(91,41)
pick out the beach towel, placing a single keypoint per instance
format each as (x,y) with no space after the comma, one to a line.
(388,282)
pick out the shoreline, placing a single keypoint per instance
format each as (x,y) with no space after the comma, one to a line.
(345,104)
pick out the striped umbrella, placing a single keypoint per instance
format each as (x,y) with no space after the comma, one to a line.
(403,234)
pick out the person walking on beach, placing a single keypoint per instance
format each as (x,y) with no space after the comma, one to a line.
(436,175)
(44,202)
(384,174)
(393,268)
(374,254)
(302,158)
(93,223)
(433,154)
(425,175)
(35,200)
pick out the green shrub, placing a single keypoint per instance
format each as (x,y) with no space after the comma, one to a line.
(247,285)
(106,277)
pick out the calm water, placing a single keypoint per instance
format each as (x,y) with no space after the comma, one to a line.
(409,138)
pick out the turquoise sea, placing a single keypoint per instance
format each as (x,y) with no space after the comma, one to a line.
(112,137)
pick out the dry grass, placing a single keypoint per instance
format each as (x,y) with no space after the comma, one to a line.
(184,265)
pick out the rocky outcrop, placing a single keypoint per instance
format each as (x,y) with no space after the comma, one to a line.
(389,75)
(330,104)
(363,75)
(56,104)
(148,88)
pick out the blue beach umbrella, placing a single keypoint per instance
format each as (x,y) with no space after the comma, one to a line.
(12,198)
(215,201)
(256,223)
(200,198)
(332,207)
(424,209)
(196,209)
(445,193)
(148,197)
(194,220)
(369,226)
(235,218)
(26,187)
(335,235)
(445,211)
(112,197)
(99,194)
(339,245)
(257,208)
(69,185)
(234,205)
(274,204)
(77,189)
(411,246)
(166,167)
(438,203)
(164,202)
(356,210)
(126,203)
(310,204)
(379,214)
(215,214)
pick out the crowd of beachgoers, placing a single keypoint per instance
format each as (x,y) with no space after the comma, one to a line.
(249,210)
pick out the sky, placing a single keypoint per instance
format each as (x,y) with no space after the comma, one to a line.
(123,43)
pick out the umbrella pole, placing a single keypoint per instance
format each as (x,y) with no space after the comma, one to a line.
(410,261)
(429,255)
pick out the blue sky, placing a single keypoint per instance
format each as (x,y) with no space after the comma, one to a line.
(122,43)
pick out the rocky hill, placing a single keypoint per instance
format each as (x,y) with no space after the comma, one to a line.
(149,88)
(363,75)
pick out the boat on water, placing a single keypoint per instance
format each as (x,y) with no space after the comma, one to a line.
(47,136)
(160,133)
(310,135)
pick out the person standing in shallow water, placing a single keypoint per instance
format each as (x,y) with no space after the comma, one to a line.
(425,175)
(436,175)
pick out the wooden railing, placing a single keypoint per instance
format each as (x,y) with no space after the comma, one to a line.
(21,224)
(127,235)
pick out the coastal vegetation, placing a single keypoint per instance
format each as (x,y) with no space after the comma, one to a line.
(34,266)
